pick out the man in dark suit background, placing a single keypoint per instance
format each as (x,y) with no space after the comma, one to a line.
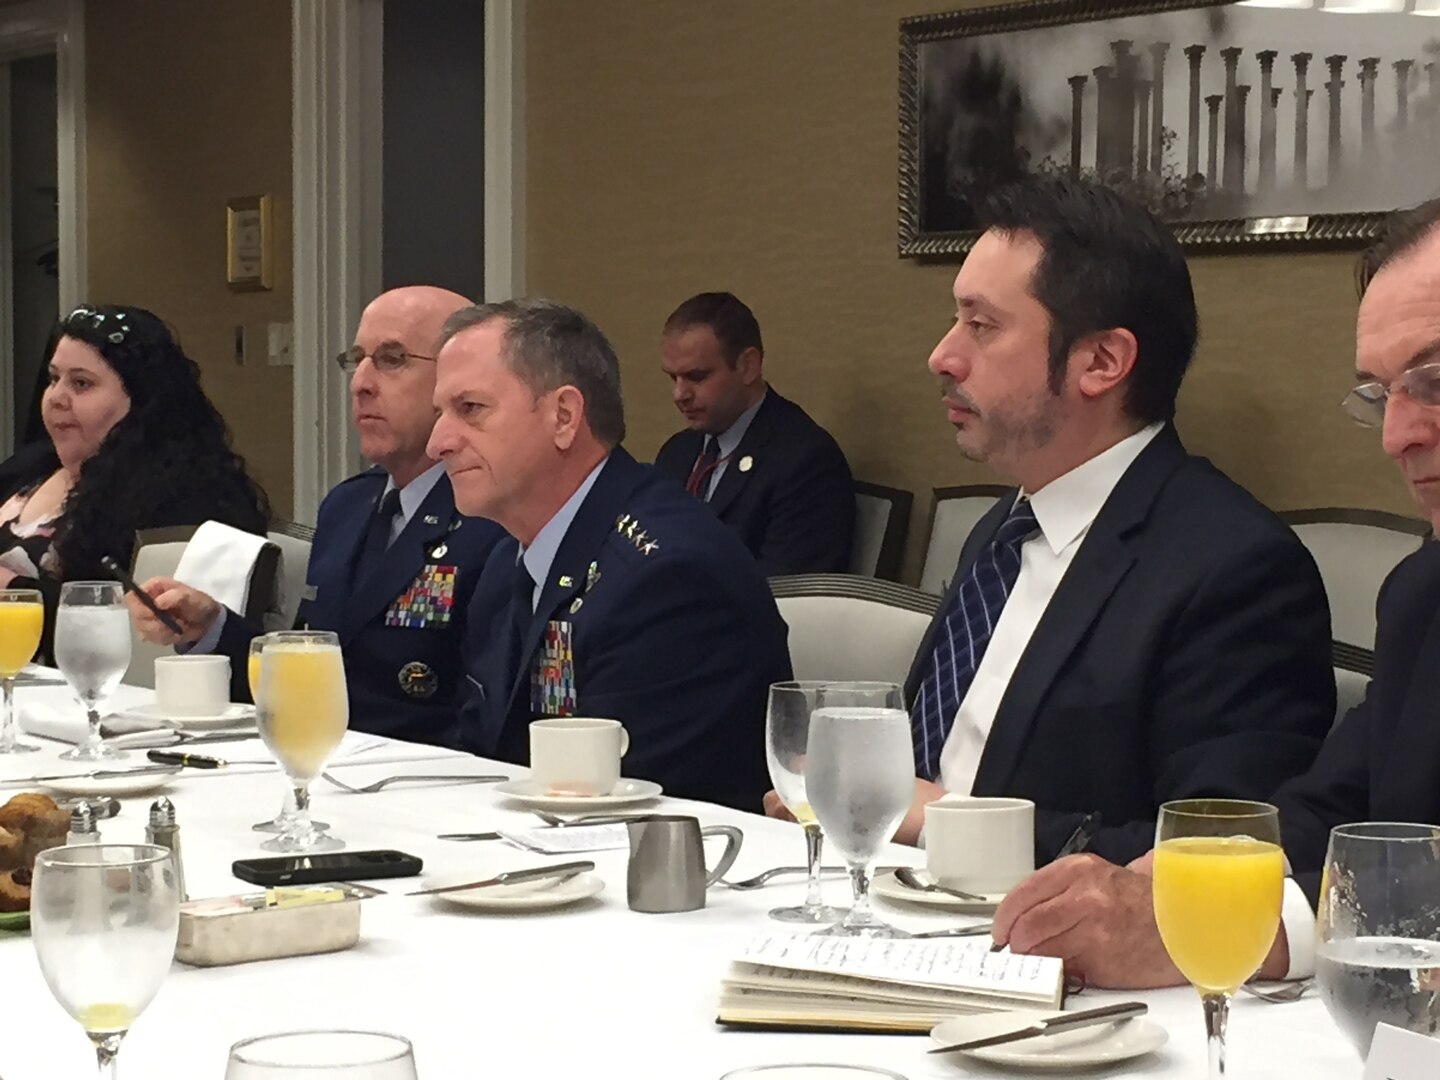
(393,564)
(618,595)
(1382,761)
(765,468)
(1130,626)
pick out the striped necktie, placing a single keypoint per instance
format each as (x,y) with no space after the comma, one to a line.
(965,630)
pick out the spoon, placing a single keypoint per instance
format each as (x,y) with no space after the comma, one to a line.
(907,877)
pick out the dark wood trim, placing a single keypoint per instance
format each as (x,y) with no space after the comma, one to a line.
(1349,515)
(854,587)
(293,528)
(1352,657)
(897,526)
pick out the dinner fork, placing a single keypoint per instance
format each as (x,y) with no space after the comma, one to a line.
(746,884)
(367,789)
(558,822)
(1283,995)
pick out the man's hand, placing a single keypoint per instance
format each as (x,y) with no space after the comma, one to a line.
(910,828)
(194,610)
(1097,917)
(775,808)
(1100,919)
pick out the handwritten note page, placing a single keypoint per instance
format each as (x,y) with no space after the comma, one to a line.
(961,963)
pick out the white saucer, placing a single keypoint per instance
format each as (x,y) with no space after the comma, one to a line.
(523,895)
(887,886)
(111,785)
(624,794)
(1085,1048)
(234,716)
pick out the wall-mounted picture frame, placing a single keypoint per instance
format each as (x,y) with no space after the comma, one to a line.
(1243,126)
(248,241)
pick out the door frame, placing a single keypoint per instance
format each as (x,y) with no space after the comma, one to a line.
(35,28)
(337,143)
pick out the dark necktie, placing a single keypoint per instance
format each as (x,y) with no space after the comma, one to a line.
(522,610)
(377,535)
(704,469)
(965,630)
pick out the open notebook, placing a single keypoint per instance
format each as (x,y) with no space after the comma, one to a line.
(856,984)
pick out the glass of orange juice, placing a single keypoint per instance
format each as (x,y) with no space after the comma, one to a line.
(22,617)
(1219,878)
(303,712)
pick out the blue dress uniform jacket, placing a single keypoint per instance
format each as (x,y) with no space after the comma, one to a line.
(786,490)
(400,629)
(653,614)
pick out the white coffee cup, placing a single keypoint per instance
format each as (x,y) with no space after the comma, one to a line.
(577,755)
(192,685)
(980,845)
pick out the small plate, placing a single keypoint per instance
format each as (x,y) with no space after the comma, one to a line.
(524,895)
(625,793)
(888,886)
(235,716)
(14,921)
(1105,1044)
(139,784)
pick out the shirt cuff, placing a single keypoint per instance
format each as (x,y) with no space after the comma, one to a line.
(208,640)
(1299,922)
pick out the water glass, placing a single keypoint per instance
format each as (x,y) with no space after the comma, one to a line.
(1219,878)
(333,1055)
(104,919)
(303,711)
(1377,957)
(860,777)
(22,618)
(92,651)
(787,729)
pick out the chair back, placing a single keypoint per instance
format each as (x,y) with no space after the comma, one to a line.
(1355,551)
(293,541)
(848,627)
(882,519)
(957,510)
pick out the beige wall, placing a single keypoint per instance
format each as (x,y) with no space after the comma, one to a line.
(188,105)
(751,145)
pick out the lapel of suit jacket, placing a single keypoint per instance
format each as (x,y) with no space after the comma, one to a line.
(1411,788)
(1104,558)
(593,522)
(757,435)
(402,560)
(978,540)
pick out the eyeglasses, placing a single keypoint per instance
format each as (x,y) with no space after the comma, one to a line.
(1366,403)
(387,358)
(119,327)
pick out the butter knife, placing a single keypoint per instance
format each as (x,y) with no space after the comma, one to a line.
(97,774)
(561,872)
(1106,1014)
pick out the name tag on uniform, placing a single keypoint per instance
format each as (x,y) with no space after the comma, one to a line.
(552,682)
(427,603)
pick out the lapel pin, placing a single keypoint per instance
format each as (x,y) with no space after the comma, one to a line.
(575,606)
(747,463)
(431,519)
(439,552)
(566,581)
(592,575)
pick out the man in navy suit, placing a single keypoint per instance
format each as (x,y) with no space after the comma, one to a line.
(762,465)
(1382,761)
(618,594)
(1130,626)
(393,562)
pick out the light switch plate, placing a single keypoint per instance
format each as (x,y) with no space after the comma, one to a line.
(281,344)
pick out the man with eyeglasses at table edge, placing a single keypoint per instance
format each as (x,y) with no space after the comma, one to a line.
(1382,761)
(393,563)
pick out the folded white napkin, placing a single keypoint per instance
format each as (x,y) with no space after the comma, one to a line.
(353,744)
(70,725)
(220,560)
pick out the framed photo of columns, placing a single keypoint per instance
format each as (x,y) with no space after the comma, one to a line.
(1264,124)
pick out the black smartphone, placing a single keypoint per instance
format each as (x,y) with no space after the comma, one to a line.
(339,866)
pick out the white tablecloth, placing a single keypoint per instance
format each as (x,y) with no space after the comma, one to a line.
(592,991)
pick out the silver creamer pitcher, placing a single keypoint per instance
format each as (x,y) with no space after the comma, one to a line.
(667,862)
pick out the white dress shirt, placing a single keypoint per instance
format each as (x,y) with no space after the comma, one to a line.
(540,555)
(1065,509)
(729,442)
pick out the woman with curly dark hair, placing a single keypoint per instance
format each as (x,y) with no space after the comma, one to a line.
(134,444)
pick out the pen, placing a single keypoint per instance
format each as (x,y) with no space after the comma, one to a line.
(1081,837)
(141,595)
(1078,842)
(194,761)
